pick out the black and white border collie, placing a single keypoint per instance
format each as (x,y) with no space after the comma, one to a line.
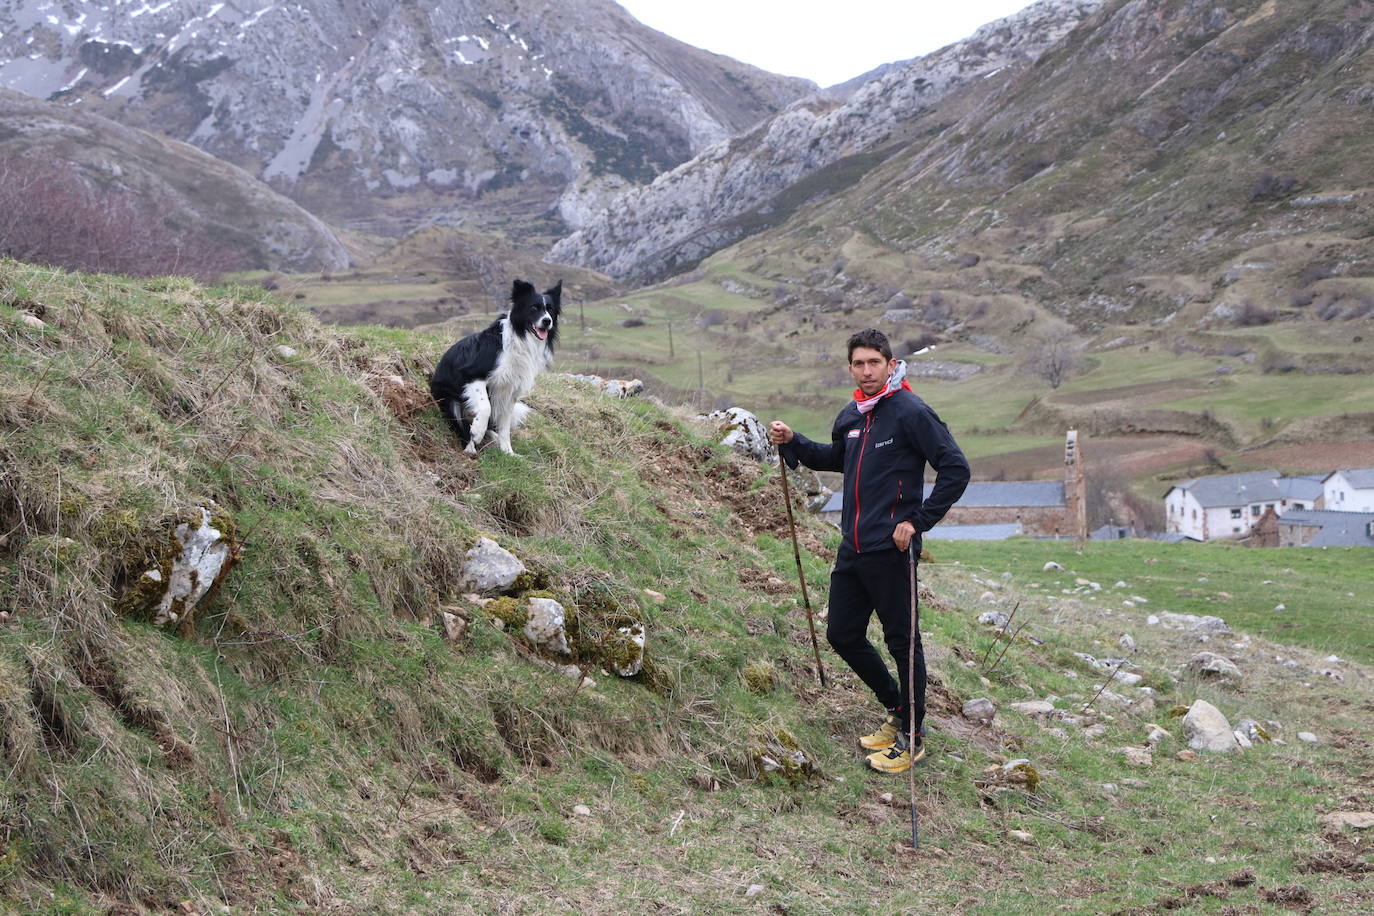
(480,380)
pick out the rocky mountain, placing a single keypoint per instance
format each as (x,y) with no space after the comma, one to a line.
(518,116)
(184,191)
(1171,162)
(735,187)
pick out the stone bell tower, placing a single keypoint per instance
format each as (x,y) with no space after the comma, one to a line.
(1075,490)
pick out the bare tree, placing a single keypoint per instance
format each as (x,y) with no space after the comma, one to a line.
(1051,356)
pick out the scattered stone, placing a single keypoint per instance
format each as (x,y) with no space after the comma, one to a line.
(1022,837)
(1244,742)
(1137,756)
(1308,738)
(1280,607)
(1209,664)
(1253,731)
(1131,782)
(987,597)
(655,597)
(1033,707)
(1126,677)
(33,321)
(1186,755)
(885,798)
(1357,820)
(753,891)
(490,567)
(1127,642)
(1332,673)
(1193,623)
(1052,565)
(1057,732)
(993,619)
(285,352)
(614,387)
(1139,600)
(454,626)
(1093,732)
(171,593)
(1119,584)
(980,710)
(743,432)
(582,811)
(1156,734)
(546,625)
(627,650)
(1152,621)
(1206,729)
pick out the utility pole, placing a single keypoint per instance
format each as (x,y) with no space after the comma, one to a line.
(671,354)
(701,380)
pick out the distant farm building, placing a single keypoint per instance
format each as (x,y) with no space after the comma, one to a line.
(1315,528)
(1229,505)
(1349,490)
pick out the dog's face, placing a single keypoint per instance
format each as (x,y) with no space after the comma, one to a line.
(536,313)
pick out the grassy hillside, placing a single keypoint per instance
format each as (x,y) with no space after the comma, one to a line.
(308,740)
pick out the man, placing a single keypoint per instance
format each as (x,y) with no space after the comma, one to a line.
(882,440)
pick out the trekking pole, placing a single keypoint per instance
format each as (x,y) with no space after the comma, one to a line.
(796,553)
(911,693)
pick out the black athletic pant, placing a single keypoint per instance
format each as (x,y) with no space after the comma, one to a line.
(860,584)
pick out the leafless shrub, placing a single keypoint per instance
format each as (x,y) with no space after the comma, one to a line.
(1268,186)
(51,214)
(1252,315)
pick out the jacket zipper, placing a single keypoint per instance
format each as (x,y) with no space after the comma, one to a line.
(858,473)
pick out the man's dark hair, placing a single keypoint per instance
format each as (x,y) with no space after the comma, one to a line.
(871,338)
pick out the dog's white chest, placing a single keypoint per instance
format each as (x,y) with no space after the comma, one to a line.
(522,359)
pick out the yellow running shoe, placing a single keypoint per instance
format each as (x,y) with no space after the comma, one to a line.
(897,759)
(884,737)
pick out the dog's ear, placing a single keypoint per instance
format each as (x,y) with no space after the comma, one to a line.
(519,289)
(555,293)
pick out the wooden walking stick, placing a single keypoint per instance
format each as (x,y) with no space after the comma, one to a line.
(796,553)
(911,693)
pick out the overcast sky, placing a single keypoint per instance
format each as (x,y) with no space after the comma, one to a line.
(828,42)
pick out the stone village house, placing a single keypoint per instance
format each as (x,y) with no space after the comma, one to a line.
(1230,505)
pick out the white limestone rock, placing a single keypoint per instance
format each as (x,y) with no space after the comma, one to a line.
(980,710)
(1209,664)
(545,627)
(1207,729)
(490,567)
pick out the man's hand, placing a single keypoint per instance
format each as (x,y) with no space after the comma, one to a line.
(779,432)
(902,535)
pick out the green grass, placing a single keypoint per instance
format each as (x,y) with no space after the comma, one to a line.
(1324,590)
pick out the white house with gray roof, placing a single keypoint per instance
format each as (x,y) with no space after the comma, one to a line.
(1349,490)
(1228,505)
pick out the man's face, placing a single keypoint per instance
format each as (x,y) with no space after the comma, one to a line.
(870,370)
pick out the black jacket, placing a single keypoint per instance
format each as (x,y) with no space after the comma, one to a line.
(884,454)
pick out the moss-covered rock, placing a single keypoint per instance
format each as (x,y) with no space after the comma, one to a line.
(777,753)
(759,678)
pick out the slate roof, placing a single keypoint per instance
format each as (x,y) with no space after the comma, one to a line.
(972,532)
(1019,494)
(1256,486)
(1359,478)
(1338,529)
(1015,494)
